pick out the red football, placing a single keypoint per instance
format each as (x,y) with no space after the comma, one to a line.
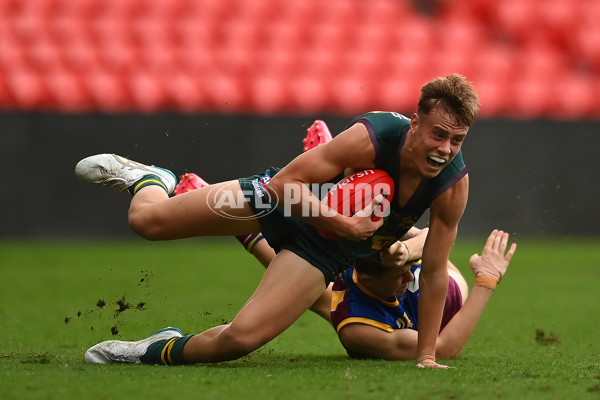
(355,192)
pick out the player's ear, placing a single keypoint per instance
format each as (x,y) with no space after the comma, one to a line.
(414,121)
(364,278)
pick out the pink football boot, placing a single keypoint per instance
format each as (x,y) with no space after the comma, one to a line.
(189,181)
(317,134)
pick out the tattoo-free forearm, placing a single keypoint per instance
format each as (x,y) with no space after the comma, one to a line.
(456,333)
(433,286)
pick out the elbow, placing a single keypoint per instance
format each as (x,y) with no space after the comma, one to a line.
(445,351)
(452,355)
(448,355)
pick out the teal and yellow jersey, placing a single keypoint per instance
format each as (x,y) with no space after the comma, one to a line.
(388,132)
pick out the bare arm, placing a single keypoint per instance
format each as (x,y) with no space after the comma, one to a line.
(455,335)
(401,344)
(350,149)
(446,212)
(263,252)
(367,341)
(492,264)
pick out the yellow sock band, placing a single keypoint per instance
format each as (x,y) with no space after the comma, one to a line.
(250,245)
(166,352)
(147,182)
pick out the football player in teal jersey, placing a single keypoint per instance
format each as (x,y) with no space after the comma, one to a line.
(421,153)
(369,304)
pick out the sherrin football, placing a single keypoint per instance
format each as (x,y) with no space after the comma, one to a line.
(355,192)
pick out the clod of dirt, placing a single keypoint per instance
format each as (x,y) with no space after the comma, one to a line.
(542,338)
(123,305)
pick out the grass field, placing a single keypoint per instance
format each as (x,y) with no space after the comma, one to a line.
(538,339)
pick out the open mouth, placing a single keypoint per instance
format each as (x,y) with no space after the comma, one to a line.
(436,161)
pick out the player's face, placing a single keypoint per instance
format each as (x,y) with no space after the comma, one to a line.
(394,283)
(434,140)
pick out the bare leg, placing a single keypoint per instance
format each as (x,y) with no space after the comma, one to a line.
(322,307)
(290,285)
(263,252)
(460,281)
(155,216)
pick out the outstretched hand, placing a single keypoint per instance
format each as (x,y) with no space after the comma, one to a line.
(493,261)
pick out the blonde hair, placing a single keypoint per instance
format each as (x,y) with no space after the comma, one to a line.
(455,94)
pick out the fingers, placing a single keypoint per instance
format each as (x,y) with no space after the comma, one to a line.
(369,219)
(497,241)
(367,228)
(395,255)
(503,242)
(393,248)
(493,261)
(511,251)
(432,364)
(377,206)
(372,208)
(373,226)
(473,262)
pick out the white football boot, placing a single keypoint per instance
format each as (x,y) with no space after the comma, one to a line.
(117,351)
(121,173)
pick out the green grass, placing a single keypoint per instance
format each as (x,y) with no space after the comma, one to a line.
(537,339)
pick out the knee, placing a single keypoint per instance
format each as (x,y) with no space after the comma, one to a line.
(144,225)
(239,343)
